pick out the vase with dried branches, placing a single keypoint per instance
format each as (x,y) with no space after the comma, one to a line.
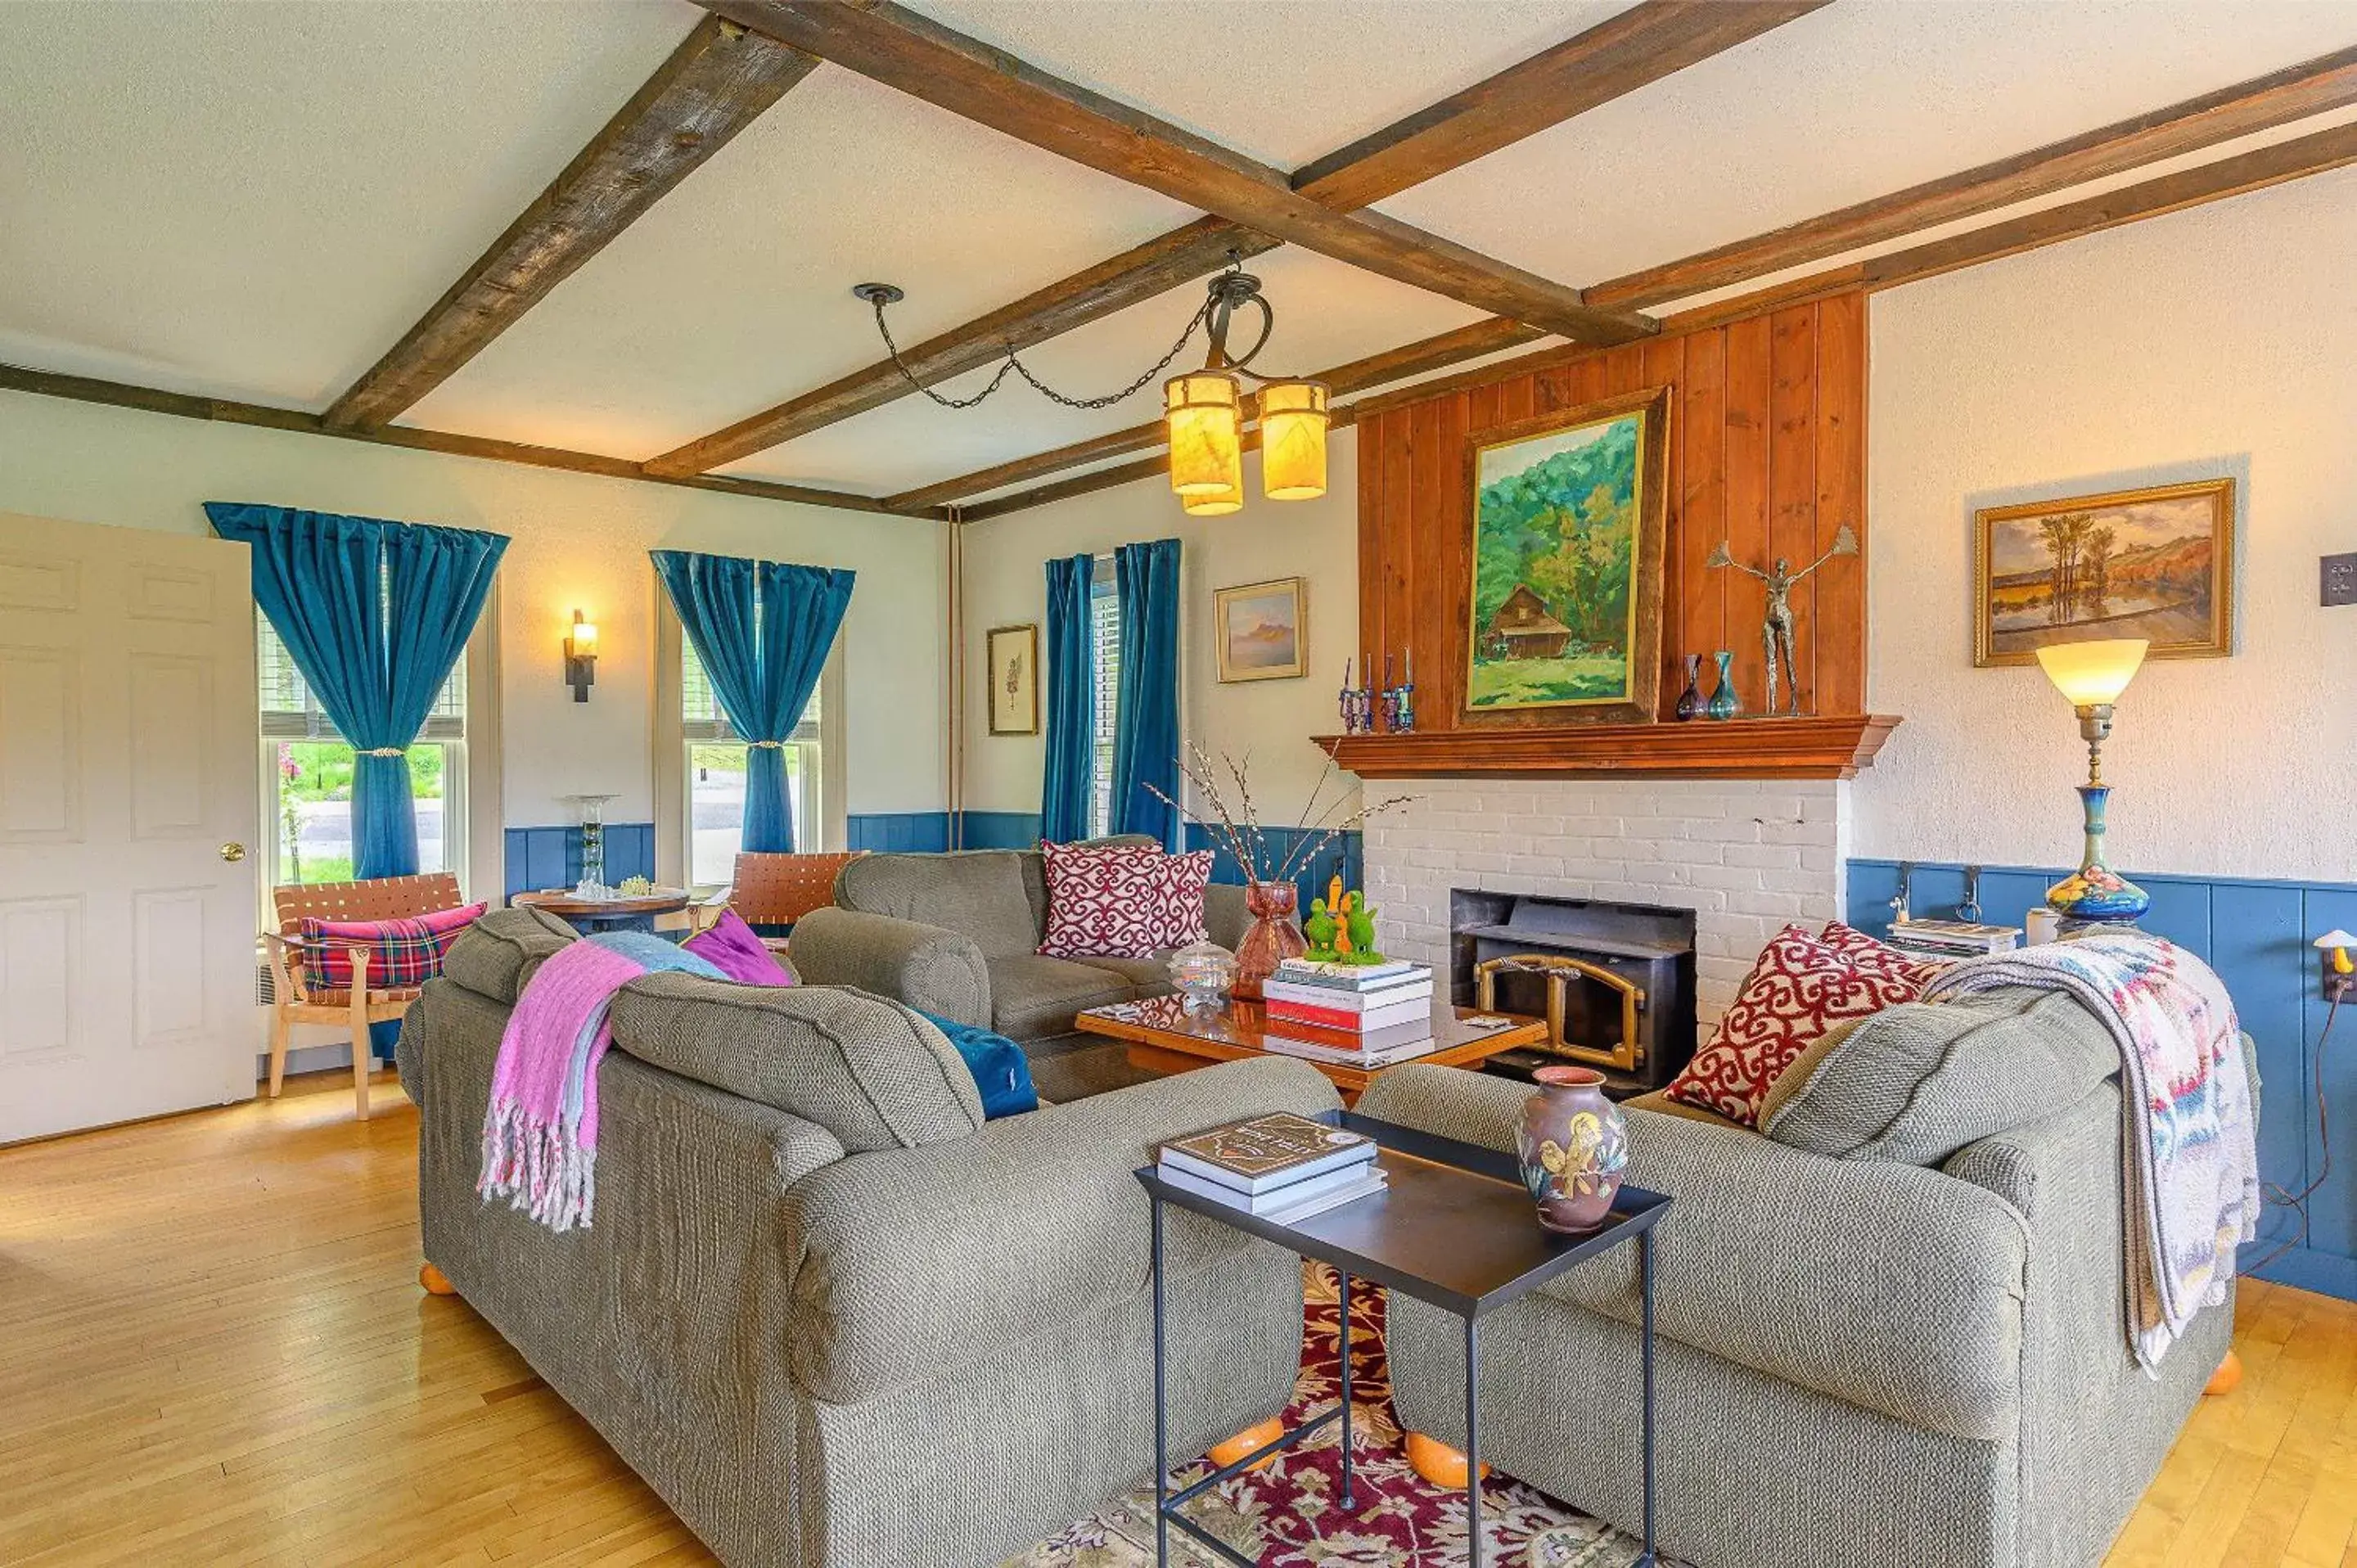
(1270,894)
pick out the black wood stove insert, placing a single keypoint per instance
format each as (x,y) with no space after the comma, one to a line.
(1615,982)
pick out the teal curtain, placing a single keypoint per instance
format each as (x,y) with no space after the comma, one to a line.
(1146,722)
(374,614)
(763,629)
(1071,705)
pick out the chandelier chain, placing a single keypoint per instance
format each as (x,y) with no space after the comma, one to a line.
(1015,365)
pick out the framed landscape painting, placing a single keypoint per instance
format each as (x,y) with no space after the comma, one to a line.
(2157,564)
(1014,654)
(1568,512)
(1262,631)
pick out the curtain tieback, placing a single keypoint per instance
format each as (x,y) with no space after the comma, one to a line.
(386,751)
(766,744)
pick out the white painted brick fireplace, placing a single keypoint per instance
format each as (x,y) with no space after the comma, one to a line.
(1747,856)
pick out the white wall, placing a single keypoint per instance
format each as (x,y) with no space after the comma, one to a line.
(579,541)
(2220,340)
(1006,584)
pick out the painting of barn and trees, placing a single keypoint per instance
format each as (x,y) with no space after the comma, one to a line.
(2155,564)
(1556,539)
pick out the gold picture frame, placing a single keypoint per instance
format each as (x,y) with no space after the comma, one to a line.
(1261,630)
(1588,485)
(2156,562)
(1013,656)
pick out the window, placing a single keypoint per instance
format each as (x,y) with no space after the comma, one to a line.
(1105,633)
(307,776)
(716,764)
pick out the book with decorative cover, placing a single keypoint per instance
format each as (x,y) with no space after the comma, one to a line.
(1351,976)
(1261,1153)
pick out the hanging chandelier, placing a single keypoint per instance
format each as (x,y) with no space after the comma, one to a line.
(1204,410)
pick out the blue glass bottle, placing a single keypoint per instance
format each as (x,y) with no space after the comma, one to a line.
(1723,705)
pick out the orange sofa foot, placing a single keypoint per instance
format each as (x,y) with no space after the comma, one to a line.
(1244,1442)
(1438,1463)
(435,1282)
(2228,1377)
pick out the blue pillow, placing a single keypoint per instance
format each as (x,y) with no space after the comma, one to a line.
(1000,1069)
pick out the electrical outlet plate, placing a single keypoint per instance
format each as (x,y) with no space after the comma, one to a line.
(2339,580)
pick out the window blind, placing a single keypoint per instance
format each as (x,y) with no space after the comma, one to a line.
(1104,628)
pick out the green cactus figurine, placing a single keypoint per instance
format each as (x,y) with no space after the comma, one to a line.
(1319,928)
(1362,932)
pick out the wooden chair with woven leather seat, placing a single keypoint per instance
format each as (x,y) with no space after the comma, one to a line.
(296,994)
(777,890)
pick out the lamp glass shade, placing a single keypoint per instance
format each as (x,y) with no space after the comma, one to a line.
(585,637)
(1206,455)
(2093,674)
(1292,421)
(1212,503)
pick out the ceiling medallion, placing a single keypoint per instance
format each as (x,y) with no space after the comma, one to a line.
(1204,410)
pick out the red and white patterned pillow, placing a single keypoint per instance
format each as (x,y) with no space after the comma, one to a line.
(1121,900)
(1799,989)
(1880,958)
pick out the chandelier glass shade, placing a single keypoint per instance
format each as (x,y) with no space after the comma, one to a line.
(1204,410)
(1292,421)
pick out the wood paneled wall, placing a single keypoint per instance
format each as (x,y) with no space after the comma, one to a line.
(1767,451)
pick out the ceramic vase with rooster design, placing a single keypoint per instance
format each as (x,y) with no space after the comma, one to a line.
(1271,939)
(1574,1146)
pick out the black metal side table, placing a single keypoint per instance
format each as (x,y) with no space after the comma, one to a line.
(1454,1228)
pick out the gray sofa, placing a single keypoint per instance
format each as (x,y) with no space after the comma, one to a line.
(834,1318)
(1892,1331)
(959,935)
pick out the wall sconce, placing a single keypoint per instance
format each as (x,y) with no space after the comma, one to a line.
(581,657)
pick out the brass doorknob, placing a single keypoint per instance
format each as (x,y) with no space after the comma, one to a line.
(232,852)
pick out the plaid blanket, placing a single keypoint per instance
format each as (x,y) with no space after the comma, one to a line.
(2189,1174)
(540,1133)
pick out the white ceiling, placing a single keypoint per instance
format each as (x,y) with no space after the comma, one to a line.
(253,198)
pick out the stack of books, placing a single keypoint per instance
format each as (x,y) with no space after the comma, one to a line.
(1365,1015)
(1949,941)
(1279,1167)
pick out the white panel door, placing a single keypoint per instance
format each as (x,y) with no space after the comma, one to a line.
(128,779)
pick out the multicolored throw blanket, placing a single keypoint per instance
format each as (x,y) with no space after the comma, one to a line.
(2190,1142)
(540,1135)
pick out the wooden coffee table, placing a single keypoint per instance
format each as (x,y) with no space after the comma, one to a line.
(1164,1038)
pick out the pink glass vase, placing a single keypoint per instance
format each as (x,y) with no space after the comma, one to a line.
(1273,938)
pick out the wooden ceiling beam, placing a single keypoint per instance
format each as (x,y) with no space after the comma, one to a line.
(1609,60)
(1416,358)
(229,410)
(1642,45)
(2291,94)
(718,82)
(913,54)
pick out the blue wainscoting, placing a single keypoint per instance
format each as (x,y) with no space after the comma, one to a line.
(905,832)
(1001,830)
(2256,934)
(551,857)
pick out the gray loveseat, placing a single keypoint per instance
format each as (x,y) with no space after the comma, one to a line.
(958,935)
(836,1319)
(1892,1331)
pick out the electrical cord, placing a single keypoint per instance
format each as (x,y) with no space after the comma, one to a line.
(2283,1198)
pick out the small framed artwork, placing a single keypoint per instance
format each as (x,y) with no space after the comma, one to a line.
(1014,653)
(2157,564)
(1263,631)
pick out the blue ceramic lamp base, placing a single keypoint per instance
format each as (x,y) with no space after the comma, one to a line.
(2095,895)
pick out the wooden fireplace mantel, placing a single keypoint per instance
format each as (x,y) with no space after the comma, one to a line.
(1828,747)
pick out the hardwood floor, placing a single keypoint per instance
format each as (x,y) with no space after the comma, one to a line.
(213,1350)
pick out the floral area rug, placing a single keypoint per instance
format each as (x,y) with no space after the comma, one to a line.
(1288,1514)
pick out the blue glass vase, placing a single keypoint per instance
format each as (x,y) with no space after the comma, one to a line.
(1723,705)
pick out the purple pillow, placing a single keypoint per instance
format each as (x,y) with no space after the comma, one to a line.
(734,949)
